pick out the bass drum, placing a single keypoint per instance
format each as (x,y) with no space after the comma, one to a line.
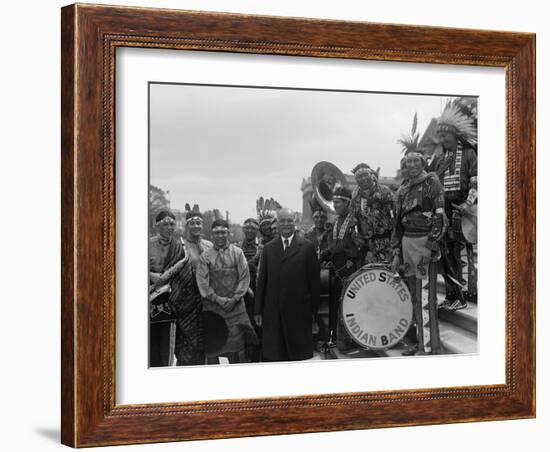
(215,332)
(376,307)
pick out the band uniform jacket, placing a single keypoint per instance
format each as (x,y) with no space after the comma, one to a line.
(287,293)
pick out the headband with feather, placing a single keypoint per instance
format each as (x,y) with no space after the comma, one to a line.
(410,142)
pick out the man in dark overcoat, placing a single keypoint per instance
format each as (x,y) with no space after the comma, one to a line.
(287,293)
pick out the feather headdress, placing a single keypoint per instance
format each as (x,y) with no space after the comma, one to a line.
(267,209)
(410,142)
(192,213)
(467,106)
(453,119)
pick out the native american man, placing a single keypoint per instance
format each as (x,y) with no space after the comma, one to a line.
(457,170)
(343,254)
(223,279)
(420,225)
(194,242)
(175,300)
(373,207)
(252,249)
(318,233)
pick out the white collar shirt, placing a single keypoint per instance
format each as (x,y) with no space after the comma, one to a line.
(289,240)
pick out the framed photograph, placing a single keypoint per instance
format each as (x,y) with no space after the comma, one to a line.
(267,218)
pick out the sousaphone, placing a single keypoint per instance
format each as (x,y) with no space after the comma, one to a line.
(324,177)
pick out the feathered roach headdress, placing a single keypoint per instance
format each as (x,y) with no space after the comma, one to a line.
(453,119)
(410,142)
(267,209)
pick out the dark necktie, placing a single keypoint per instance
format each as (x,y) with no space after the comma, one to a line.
(286,244)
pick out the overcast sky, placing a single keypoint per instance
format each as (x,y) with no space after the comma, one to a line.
(223,147)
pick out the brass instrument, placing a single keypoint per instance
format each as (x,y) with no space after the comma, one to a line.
(324,177)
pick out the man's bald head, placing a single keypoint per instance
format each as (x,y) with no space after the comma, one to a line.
(285,213)
(286,219)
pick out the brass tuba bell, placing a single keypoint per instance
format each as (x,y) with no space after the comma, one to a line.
(325,176)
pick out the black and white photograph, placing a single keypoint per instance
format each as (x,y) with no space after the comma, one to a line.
(294,224)
(255,224)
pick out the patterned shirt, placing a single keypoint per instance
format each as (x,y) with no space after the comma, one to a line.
(342,250)
(457,171)
(417,203)
(252,251)
(375,214)
(374,211)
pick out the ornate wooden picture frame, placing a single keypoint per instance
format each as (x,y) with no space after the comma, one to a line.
(90,37)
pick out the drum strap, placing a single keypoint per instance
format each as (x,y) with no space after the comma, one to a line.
(338,270)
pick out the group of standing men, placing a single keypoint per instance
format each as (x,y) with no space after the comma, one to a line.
(267,290)
(264,291)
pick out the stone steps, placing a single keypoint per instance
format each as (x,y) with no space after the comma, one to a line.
(455,340)
(465,318)
(441,281)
